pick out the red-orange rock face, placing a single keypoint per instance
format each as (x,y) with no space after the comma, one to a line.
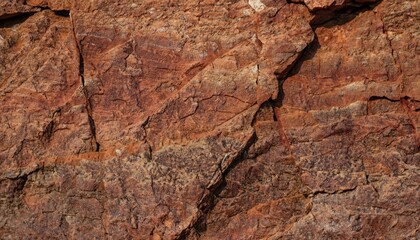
(259,119)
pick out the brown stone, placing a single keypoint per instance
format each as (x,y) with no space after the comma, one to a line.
(256,119)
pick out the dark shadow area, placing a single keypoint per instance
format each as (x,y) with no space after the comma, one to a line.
(307,54)
(62,13)
(11,20)
(337,16)
(375,98)
(7,21)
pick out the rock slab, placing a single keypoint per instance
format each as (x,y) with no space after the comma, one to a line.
(259,119)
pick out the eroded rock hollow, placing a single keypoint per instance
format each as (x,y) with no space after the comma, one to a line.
(231,119)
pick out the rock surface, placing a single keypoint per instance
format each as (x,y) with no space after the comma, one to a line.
(259,119)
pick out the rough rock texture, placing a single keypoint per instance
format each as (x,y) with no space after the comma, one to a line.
(259,119)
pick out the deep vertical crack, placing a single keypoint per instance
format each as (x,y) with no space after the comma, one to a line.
(88,104)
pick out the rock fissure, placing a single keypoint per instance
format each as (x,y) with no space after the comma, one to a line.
(341,14)
(393,54)
(376,98)
(310,50)
(323,192)
(22,177)
(15,19)
(49,130)
(209,197)
(88,105)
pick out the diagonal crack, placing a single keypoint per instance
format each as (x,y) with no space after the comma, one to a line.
(88,105)
(208,200)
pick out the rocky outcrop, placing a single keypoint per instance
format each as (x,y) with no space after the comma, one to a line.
(209,119)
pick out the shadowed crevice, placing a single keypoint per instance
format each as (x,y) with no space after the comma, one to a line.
(376,98)
(61,13)
(88,104)
(8,21)
(340,15)
(306,54)
(209,199)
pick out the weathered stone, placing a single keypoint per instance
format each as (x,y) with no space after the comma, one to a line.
(259,119)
